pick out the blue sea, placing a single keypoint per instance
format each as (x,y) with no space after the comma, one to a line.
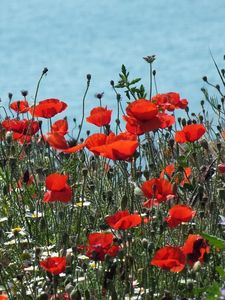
(73,38)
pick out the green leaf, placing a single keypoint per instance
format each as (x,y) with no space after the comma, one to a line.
(220,271)
(182,161)
(123,69)
(135,81)
(214,241)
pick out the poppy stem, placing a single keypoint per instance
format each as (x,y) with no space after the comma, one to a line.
(83,107)
(150,82)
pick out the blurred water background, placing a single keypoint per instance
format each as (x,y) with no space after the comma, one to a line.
(76,37)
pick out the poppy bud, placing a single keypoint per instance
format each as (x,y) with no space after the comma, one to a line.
(154,72)
(171,142)
(204,78)
(222,99)
(184,122)
(24,93)
(45,71)
(145,243)
(10,95)
(88,77)
(202,102)
(117,121)
(84,172)
(112,83)
(189,122)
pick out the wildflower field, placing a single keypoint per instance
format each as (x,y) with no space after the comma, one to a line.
(133,208)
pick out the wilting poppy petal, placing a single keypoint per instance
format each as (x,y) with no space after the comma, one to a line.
(169,258)
(99,116)
(190,133)
(48,108)
(54,265)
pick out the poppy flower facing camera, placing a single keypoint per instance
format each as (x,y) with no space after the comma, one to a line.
(99,116)
(54,265)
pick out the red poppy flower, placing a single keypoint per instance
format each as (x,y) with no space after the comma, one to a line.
(58,142)
(157,190)
(100,244)
(169,258)
(169,101)
(3,297)
(99,116)
(94,140)
(20,106)
(182,176)
(143,116)
(166,120)
(58,189)
(190,133)
(25,127)
(123,220)
(224,134)
(115,147)
(60,126)
(195,248)
(178,214)
(21,138)
(48,108)
(54,265)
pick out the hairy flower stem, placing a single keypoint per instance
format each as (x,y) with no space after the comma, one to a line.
(83,107)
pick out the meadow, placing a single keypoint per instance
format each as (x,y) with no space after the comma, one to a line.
(133,208)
